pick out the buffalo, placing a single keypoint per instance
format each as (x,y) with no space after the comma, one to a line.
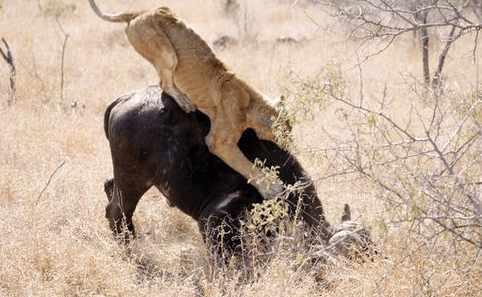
(154,142)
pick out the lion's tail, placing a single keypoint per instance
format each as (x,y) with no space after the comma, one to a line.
(115,18)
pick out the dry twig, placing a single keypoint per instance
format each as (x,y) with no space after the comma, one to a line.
(49,181)
(62,63)
(8,57)
(429,179)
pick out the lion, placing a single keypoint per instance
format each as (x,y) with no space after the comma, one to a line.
(191,73)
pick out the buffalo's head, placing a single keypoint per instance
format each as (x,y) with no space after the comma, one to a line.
(350,238)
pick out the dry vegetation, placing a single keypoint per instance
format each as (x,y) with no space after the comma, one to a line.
(424,215)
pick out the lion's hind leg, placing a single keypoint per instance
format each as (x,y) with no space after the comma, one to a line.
(166,74)
(148,38)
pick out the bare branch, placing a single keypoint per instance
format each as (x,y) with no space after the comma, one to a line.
(388,20)
(62,64)
(441,62)
(49,181)
(8,57)
(381,114)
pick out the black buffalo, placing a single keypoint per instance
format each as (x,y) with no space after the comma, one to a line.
(154,143)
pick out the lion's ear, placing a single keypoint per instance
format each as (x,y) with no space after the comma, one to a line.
(346,213)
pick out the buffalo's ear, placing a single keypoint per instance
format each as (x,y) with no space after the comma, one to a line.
(346,213)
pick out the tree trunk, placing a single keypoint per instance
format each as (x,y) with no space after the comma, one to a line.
(425,50)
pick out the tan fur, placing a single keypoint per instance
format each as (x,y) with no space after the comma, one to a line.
(191,73)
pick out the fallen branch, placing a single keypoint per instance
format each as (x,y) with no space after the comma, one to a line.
(8,57)
(48,182)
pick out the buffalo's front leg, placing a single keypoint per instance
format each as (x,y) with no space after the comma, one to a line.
(123,199)
(219,224)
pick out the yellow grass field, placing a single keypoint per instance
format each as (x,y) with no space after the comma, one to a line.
(54,158)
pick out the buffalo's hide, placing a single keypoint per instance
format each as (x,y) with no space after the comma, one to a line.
(154,143)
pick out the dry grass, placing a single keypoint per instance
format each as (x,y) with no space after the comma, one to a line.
(58,244)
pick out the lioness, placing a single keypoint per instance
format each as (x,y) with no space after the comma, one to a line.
(191,73)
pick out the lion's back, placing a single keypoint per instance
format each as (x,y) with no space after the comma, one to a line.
(197,64)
